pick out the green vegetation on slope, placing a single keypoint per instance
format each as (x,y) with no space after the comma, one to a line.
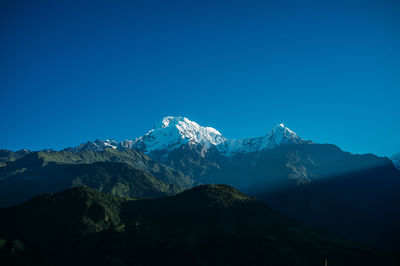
(7,156)
(121,173)
(118,179)
(131,157)
(206,225)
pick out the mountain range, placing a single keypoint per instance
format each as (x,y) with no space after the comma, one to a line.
(173,132)
(314,183)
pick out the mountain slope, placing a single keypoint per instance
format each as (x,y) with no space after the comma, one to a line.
(361,205)
(396,160)
(123,173)
(117,179)
(275,168)
(7,156)
(315,183)
(207,225)
(131,157)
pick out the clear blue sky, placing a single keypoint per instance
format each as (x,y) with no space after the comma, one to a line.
(77,71)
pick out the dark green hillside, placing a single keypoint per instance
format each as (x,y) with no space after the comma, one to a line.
(7,156)
(131,157)
(314,183)
(118,179)
(366,202)
(122,173)
(206,225)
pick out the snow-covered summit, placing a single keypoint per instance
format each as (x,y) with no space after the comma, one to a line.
(279,135)
(97,145)
(173,132)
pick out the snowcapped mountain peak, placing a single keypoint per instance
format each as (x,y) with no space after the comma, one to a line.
(281,126)
(96,146)
(282,130)
(190,129)
(174,131)
(172,120)
(280,135)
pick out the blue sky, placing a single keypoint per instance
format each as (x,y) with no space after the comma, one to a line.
(72,71)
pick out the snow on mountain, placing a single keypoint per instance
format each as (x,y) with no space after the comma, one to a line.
(396,160)
(172,132)
(97,145)
(279,135)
